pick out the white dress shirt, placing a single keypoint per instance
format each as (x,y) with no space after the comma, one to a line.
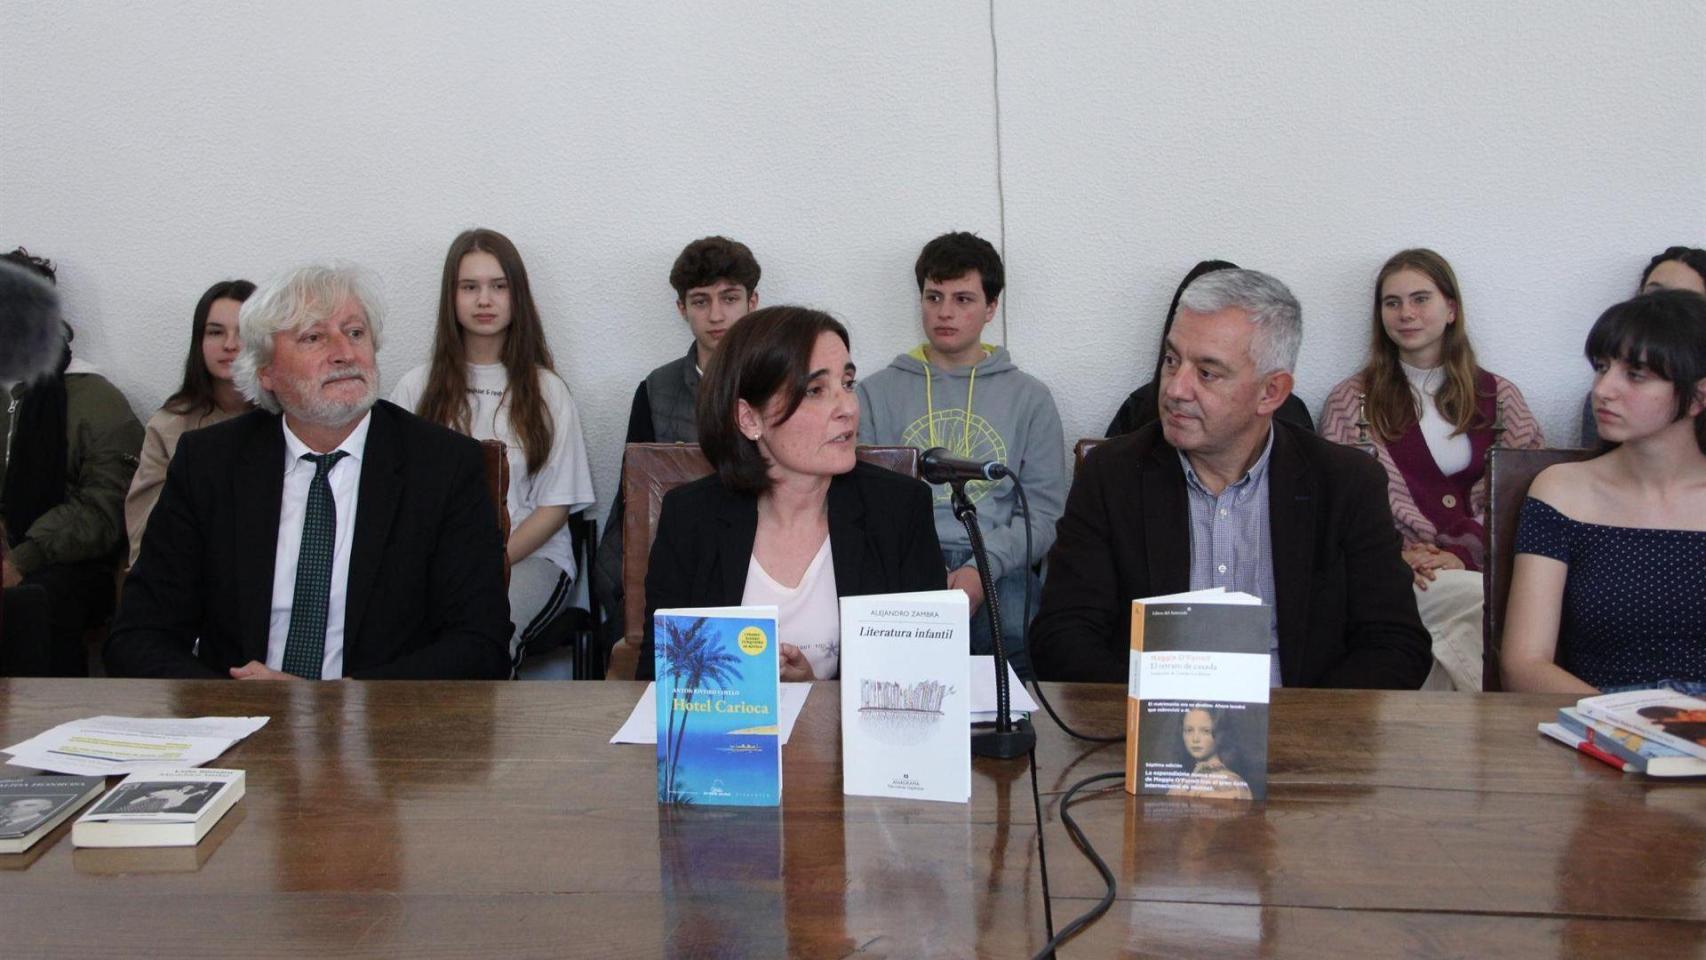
(345,480)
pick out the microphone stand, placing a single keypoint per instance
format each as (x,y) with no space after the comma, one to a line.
(1009,739)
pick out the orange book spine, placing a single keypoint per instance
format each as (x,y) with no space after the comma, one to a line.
(1133,707)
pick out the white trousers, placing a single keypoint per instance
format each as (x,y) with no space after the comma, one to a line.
(1451,610)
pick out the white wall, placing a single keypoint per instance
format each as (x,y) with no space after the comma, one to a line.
(1546,148)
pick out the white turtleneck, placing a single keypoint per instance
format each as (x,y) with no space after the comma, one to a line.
(1450,453)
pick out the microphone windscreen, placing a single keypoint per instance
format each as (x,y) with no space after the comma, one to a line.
(31,337)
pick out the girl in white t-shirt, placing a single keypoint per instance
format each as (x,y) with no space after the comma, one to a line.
(491,377)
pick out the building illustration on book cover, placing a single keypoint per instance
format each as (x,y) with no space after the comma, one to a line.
(894,712)
(717,701)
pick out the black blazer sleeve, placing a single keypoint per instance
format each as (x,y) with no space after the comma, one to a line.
(467,625)
(160,612)
(1076,635)
(1385,644)
(921,564)
(678,549)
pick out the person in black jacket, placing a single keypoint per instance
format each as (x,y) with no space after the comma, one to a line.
(790,517)
(1220,493)
(324,535)
(1142,406)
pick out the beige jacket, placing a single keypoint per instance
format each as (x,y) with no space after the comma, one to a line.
(159,442)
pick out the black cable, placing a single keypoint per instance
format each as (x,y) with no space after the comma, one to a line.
(1076,832)
(1036,687)
(1090,916)
(1042,849)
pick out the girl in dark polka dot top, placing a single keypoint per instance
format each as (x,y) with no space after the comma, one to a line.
(1609,585)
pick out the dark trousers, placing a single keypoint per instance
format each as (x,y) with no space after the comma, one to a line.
(47,615)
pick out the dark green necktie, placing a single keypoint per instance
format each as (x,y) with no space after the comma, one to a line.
(305,643)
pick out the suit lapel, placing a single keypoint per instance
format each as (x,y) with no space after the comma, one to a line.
(376,500)
(847,535)
(259,479)
(738,518)
(1291,528)
(1166,520)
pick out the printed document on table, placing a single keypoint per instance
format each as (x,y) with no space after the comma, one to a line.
(103,746)
(642,724)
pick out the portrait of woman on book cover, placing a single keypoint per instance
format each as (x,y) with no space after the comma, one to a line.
(1678,722)
(1209,751)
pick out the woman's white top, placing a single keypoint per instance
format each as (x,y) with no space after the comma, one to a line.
(807,616)
(562,481)
(1451,454)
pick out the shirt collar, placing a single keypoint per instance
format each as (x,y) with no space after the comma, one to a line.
(1250,478)
(354,444)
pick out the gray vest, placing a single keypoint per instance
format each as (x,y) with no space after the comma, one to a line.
(673,391)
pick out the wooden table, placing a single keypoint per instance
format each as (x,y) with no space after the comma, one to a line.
(1396,825)
(493,820)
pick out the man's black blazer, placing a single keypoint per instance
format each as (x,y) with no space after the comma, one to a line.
(1344,604)
(425,600)
(882,538)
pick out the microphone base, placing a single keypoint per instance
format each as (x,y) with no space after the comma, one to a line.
(1005,744)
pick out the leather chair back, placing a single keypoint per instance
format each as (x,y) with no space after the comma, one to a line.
(1509,474)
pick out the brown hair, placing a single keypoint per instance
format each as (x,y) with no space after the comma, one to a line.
(710,259)
(1391,404)
(525,352)
(196,393)
(768,354)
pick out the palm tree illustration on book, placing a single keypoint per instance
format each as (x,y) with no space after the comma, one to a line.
(691,662)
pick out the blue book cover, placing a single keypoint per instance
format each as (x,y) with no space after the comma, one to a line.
(718,697)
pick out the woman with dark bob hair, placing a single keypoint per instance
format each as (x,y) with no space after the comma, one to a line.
(790,516)
(1609,586)
(207,396)
(1676,268)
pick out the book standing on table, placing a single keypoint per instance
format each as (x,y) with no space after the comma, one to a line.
(718,700)
(1197,703)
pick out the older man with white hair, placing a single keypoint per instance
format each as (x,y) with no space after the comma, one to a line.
(326,534)
(1221,494)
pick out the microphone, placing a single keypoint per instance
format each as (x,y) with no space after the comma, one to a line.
(935,466)
(31,337)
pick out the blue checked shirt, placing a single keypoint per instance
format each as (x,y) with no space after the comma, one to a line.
(1232,541)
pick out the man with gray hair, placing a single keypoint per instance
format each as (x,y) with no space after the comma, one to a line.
(326,534)
(1220,494)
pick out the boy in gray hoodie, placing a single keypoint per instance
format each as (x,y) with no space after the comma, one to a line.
(956,391)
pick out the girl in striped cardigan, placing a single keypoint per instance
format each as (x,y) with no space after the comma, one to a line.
(1424,408)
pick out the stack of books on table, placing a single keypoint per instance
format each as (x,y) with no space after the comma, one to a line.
(1660,733)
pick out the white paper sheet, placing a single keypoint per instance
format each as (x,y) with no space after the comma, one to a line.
(103,746)
(1019,702)
(642,723)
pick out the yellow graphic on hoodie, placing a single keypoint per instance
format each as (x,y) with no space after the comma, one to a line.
(965,434)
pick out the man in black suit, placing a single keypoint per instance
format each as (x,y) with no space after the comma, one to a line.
(1219,493)
(325,534)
